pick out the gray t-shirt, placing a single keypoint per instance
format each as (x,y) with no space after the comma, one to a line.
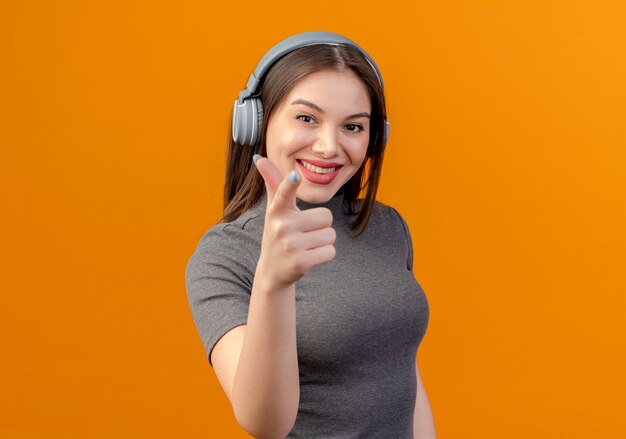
(359,319)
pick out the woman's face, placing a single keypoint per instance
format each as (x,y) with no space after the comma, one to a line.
(321,129)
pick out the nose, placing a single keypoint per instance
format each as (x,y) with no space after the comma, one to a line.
(327,142)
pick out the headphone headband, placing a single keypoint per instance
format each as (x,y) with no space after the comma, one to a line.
(296,42)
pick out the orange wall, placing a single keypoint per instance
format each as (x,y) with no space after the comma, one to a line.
(507,157)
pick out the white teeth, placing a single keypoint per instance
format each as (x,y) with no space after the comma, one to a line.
(316,169)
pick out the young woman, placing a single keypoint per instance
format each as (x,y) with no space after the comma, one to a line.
(304,294)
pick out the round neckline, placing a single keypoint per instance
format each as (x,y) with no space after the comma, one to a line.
(333,204)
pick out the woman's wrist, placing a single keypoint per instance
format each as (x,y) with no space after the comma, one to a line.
(264,284)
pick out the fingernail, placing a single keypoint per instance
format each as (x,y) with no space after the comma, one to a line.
(255,158)
(293,177)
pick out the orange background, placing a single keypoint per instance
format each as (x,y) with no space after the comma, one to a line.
(507,157)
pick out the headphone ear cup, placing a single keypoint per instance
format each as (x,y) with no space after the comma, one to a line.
(259,121)
(385,135)
(386,132)
(247,121)
(236,122)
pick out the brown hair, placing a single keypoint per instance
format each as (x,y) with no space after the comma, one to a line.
(243,186)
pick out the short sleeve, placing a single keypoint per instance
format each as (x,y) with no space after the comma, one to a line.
(409,259)
(218,278)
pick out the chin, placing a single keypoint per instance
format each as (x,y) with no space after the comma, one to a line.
(317,196)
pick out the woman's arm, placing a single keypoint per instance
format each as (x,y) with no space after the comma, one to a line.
(423,423)
(266,387)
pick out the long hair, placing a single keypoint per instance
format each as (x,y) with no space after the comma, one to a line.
(243,186)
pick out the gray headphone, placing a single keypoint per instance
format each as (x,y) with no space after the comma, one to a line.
(248,109)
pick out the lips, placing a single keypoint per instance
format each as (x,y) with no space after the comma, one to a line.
(319,172)
(322,164)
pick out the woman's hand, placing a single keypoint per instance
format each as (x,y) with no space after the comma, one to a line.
(294,240)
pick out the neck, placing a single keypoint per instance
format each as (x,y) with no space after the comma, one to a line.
(335,204)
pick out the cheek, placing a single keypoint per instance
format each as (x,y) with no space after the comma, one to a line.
(357,152)
(286,141)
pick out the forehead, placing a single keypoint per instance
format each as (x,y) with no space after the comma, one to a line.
(333,89)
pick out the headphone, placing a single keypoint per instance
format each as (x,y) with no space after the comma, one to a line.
(248,109)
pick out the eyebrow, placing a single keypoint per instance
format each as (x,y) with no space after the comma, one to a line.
(317,108)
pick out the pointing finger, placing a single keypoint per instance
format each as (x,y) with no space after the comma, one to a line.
(270,173)
(285,196)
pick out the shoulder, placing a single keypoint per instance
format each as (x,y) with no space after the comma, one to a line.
(386,221)
(395,229)
(238,240)
(386,214)
(244,228)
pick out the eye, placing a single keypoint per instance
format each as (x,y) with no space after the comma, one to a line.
(354,127)
(306,118)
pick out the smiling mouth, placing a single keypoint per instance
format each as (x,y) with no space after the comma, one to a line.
(318,169)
